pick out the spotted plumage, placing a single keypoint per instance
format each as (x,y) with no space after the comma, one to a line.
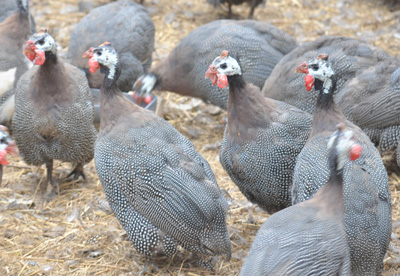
(262,138)
(53,110)
(367,87)
(308,238)
(161,190)
(366,195)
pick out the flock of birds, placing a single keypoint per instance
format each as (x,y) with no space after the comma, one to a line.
(311,159)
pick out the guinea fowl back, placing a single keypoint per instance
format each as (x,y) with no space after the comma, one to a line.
(258,45)
(366,194)
(128,27)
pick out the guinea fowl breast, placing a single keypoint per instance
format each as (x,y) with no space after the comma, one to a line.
(53,110)
(152,176)
(366,193)
(14,31)
(262,138)
(258,44)
(308,238)
(130,28)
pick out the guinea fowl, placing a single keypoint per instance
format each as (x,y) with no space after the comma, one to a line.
(259,44)
(7,146)
(308,238)
(14,32)
(9,7)
(53,110)
(132,30)
(367,89)
(253,4)
(161,190)
(262,138)
(366,189)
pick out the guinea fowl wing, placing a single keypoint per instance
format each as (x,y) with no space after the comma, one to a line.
(164,180)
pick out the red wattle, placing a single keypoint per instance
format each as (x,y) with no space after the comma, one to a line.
(309,79)
(355,152)
(148,99)
(93,65)
(222,81)
(30,55)
(3,160)
(40,57)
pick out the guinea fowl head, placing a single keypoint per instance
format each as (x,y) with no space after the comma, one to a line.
(105,58)
(7,145)
(23,6)
(317,69)
(343,144)
(223,66)
(39,47)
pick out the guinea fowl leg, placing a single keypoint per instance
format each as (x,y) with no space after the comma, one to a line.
(50,189)
(78,171)
(253,6)
(229,9)
(1,174)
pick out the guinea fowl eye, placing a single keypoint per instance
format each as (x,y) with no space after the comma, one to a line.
(41,42)
(98,53)
(224,66)
(3,140)
(315,66)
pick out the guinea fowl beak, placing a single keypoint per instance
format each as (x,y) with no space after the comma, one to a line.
(93,63)
(34,54)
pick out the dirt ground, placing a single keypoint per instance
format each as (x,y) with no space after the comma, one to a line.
(76,234)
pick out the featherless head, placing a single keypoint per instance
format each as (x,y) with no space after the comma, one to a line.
(223,66)
(23,6)
(343,141)
(7,145)
(38,44)
(317,68)
(103,55)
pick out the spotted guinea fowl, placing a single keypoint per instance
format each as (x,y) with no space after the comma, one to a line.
(368,83)
(253,4)
(130,28)
(161,190)
(7,146)
(262,138)
(9,7)
(366,189)
(14,32)
(259,45)
(308,238)
(53,110)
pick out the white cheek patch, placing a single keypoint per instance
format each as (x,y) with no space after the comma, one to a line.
(324,74)
(7,80)
(147,84)
(232,67)
(343,146)
(109,60)
(48,45)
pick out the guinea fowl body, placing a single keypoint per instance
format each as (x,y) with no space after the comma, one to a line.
(9,7)
(161,190)
(128,27)
(14,31)
(367,198)
(261,141)
(307,238)
(54,113)
(259,45)
(367,86)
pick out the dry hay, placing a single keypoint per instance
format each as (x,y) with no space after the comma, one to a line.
(76,234)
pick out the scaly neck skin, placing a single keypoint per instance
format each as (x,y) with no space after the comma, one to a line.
(327,114)
(247,107)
